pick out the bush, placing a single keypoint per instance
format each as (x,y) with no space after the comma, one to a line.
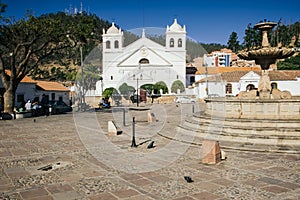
(126,90)
(108,92)
(148,87)
(160,85)
(177,85)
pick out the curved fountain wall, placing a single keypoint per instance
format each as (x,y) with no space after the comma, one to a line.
(255,108)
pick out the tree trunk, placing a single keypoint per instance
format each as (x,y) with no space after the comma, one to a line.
(9,98)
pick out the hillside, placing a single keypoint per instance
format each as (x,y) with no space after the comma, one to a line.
(66,68)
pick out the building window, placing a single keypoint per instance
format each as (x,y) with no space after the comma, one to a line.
(52,96)
(274,86)
(108,44)
(229,88)
(172,42)
(144,61)
(133,76)
(116,44)
(60,98)
(111,78)
(250,87)
(180,42)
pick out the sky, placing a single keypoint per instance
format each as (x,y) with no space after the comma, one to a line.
(205,21)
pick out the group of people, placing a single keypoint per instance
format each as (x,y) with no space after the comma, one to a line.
(35,106)
(104,103)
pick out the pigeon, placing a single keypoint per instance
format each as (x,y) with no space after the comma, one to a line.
(151,145)
(188,179)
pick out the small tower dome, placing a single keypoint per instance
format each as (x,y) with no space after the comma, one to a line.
(113,29)
(175,27)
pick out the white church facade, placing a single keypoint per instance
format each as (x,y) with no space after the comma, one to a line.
(143,61)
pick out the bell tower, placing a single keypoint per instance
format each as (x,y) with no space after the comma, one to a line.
(176,37)
(112,39)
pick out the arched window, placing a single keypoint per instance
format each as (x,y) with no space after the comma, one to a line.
(274,86)
(108,44)
(172,42)
(250,87)
(116,44)
(179,42)
(144,61)
(111,78)
(228,88)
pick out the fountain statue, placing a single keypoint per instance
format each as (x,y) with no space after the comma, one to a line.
(265,56)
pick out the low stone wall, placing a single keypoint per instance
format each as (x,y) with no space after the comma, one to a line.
(20,115)
(93,101)
(254,109)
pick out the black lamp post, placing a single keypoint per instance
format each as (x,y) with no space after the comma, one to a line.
(133,144)
(82,76)
(137,92)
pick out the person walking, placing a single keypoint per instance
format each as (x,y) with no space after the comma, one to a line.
(45,104)
(28,105)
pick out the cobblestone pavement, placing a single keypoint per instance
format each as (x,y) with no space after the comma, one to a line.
(71,156)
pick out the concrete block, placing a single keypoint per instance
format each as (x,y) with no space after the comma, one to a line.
(151,117)
(211,153)
(113,128)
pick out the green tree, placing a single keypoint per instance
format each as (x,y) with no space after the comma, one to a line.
(148,87)
(249,37)
(91,75)
(292,63)
(160,85)
(33,41)
(126,90)
(233,42)
(109,92)
(177,85)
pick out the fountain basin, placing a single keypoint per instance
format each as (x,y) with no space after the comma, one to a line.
(254,108)
(266,56)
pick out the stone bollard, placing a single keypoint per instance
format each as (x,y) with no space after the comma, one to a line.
(113,128)
(211,153)
(151,117)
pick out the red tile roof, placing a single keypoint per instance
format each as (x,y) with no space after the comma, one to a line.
(234,76)
(44,85)
(217,70)
(26,79)
(51,86)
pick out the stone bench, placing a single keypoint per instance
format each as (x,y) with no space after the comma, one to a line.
(25,114)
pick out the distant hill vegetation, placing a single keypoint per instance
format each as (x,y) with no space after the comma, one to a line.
(66,68)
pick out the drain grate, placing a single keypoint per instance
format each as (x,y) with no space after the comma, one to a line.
(49,167)
(52,166)
(46,168)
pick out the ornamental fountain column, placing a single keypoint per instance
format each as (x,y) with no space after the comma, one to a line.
(265,56)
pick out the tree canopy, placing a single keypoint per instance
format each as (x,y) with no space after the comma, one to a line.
(32,41)
(292,63)
(233,42)
(177,85)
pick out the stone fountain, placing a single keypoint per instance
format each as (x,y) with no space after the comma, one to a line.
(263,119)
(265,56)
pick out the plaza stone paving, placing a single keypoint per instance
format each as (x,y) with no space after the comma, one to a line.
(65,157)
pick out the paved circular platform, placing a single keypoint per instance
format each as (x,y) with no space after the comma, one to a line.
(48,158)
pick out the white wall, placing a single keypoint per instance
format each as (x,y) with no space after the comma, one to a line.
(292,86)
(26,89)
